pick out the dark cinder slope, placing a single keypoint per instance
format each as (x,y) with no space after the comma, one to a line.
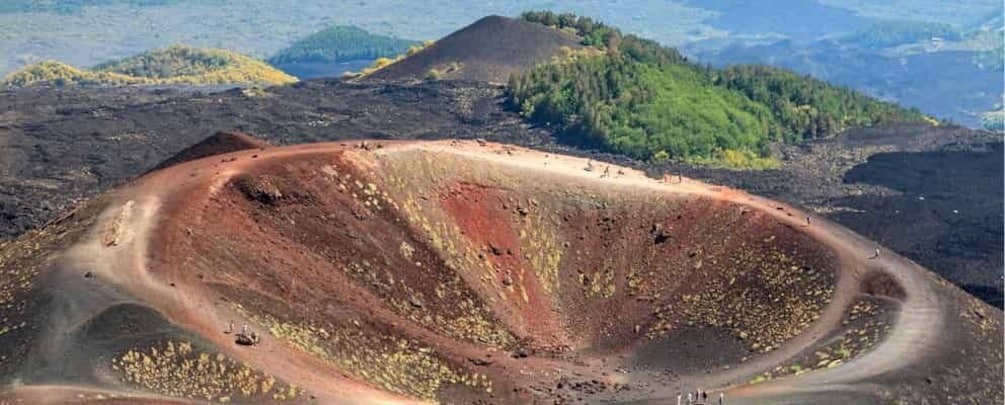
(488,51)
(219,143)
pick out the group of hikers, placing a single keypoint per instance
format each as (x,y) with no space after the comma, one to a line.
(607,170)
(244,338)
(699,397)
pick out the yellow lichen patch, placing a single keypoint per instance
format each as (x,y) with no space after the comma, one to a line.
(390,363)
(600,282)
(176,369)
(849,345)
(764,298)
(635,282)
(539,242)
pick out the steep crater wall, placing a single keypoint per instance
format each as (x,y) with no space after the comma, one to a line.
(440,258)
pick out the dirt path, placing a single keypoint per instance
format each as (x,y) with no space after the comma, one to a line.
(117,252)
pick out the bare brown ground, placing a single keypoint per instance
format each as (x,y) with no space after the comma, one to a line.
(52,394)
(467,272)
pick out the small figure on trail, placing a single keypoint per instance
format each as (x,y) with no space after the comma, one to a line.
(721,396)
(589,165)
(607,172)
(875,254)
(678,399)
(690,398)
(680,177)
(621,172)
(704,396)
(244,330)
(254,339)
(807,220)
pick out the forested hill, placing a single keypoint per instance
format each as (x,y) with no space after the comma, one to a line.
(166,66)
(650,102)
(340,44)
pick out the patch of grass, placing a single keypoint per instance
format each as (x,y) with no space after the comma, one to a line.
(177,369)
(738,159)
(391,363)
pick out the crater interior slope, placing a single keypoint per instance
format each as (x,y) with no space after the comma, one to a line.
(470,272)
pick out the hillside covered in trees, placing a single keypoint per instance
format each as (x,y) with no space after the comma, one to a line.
(650,102)
(167,66)
(341,44)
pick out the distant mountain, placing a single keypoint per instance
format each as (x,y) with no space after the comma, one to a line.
(341,44)
(884,34)
(489,50)
(797,19)
(72,6)
(952,84)
(336,50)
(167,66)
(993,120)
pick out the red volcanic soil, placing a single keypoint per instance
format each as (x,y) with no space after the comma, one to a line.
(489,50)
(466,272)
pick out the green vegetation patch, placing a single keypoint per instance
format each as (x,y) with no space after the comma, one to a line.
(649,102)
(175,64)
(341,43)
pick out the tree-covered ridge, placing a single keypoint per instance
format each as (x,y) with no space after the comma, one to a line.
(341,43)
(167,66)
(648,101)
(804,107)
(613,102)
(883,34)
(594,33)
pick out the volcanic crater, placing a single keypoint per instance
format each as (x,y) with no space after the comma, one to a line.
(456,271)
